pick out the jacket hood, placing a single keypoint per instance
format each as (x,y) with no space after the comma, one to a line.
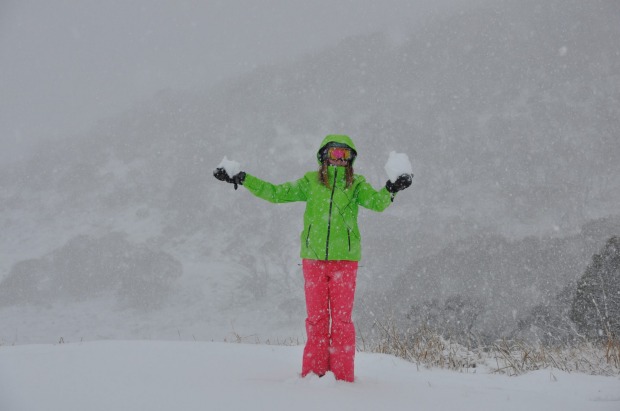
(335,138)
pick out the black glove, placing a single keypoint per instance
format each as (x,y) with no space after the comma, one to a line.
(222,175)
(401,183)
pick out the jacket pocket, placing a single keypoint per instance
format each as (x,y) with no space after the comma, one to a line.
(308,236)
(349,237)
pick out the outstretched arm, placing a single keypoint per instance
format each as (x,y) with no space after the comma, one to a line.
(282,193)
(372,199)
(375,200)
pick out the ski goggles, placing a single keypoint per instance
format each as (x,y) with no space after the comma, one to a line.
(339,153)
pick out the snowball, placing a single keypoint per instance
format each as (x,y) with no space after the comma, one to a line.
(397,165)
(232,167)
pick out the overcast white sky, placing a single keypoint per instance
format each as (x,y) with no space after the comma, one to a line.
(64,64)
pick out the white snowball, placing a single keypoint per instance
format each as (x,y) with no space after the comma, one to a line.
(397,165)
(232,167)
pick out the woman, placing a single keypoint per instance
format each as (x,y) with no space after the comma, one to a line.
(330,247)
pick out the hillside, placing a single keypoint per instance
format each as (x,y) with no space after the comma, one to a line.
(510,114)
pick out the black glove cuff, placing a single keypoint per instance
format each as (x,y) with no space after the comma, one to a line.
(238,179)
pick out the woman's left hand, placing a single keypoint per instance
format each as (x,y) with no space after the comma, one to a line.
(400,184)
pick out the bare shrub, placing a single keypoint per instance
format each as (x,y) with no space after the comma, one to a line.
(428,348)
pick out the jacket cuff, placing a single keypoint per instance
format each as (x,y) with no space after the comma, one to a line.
(251,182)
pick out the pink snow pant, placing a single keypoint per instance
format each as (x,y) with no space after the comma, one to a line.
(330,289)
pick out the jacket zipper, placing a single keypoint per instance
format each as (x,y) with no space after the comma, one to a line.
(329,220)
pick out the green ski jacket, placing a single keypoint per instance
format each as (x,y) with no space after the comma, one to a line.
(330,220)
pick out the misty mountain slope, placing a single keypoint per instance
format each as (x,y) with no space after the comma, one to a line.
(487,283)
(524,102)
(510,114)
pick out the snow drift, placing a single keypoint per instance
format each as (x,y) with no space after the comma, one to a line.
(153,376)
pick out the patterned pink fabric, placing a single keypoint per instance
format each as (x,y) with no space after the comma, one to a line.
(330,290)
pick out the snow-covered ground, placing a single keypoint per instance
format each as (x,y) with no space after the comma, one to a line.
(157,375)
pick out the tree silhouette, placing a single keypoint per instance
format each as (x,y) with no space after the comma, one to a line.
(596,306)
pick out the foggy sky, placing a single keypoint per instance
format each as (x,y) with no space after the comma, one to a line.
(66,64)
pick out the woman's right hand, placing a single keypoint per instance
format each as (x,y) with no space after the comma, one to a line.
(221,174)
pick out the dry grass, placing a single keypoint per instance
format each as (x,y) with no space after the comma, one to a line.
(235,337)
(517,357)
(427,348)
